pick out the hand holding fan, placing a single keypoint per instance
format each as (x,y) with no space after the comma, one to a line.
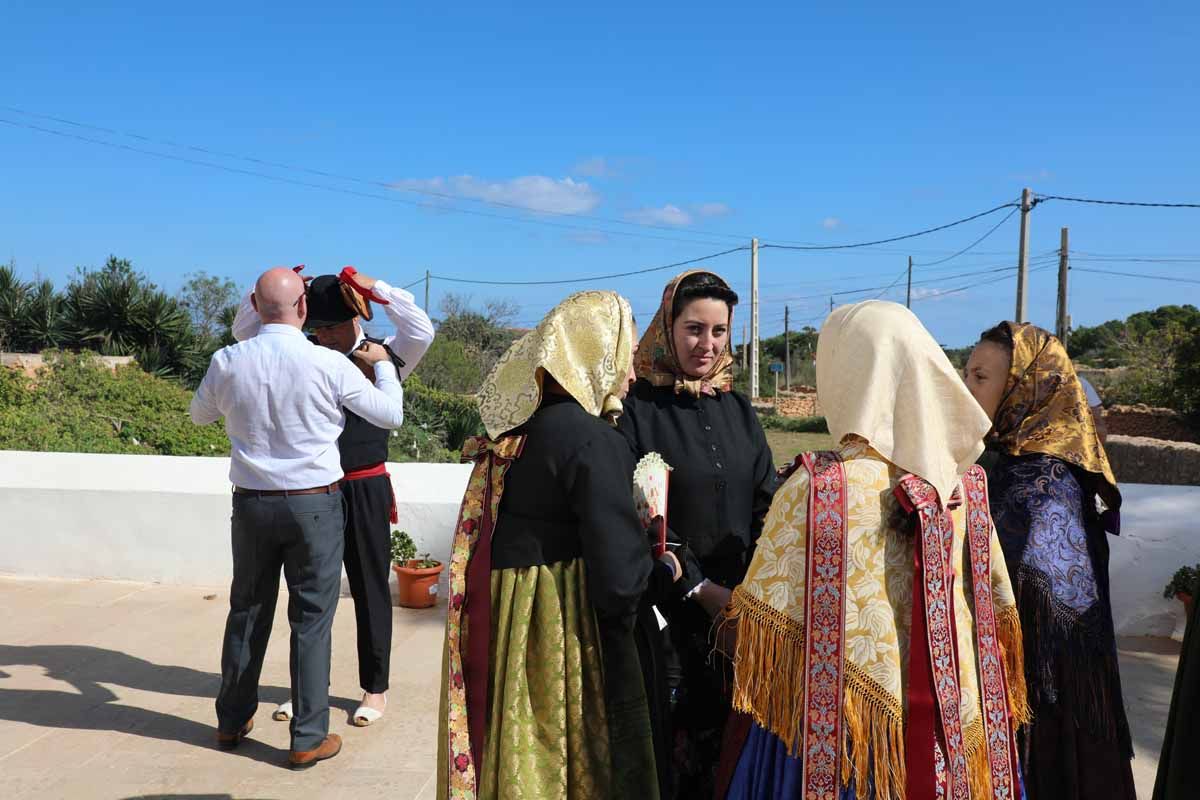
(650,482)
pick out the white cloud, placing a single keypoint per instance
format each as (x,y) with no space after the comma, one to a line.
(532,192)
(829,223)
(667,215)
(712,209)
(933,295)
(595,167)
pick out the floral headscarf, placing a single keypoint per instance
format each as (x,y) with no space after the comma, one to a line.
(657,361)
(585,343)
(1045,410)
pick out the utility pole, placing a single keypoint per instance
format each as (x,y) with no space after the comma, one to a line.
(1062,319)
(426,291)
(787,352)
(908,297)
(1023,257)
(754,319)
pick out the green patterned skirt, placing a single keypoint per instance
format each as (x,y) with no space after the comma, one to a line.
(568,716)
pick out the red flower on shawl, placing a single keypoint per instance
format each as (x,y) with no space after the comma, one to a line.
(468,526)
(458,680)
(461,762)
(456,601)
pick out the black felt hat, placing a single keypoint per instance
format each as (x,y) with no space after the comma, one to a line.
(331,302)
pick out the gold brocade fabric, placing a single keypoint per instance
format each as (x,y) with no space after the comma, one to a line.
(768,608)
(585,343)
(547,733)
(1045,409)
(657,362)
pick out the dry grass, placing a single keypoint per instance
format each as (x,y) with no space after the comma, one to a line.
(786,446)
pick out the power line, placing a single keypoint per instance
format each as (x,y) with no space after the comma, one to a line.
(1135,275)
(590,279)
(356,179)
(894,238)
(417,282)
(975,285)
(341,189)
(1116,202)
(1116,260)
(972,245)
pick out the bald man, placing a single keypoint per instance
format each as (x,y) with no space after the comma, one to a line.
(283,400)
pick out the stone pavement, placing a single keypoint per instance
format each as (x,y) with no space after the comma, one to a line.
(106,691)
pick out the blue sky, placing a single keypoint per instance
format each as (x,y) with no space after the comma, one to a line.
(715,123)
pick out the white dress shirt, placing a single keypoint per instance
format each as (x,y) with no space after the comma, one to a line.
(414,329)
(282,398)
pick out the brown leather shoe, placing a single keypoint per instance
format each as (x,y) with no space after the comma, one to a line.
(228,741)
(303,759)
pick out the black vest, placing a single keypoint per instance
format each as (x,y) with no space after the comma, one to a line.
(361,443)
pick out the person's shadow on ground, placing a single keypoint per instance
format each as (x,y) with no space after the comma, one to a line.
(94,707)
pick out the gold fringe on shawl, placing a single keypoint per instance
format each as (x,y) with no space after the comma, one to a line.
(1012,644)
(769,664)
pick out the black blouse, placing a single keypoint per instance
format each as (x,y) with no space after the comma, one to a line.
(723,475)
(570,495)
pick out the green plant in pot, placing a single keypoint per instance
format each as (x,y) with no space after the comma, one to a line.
(416,577)
(1183,586)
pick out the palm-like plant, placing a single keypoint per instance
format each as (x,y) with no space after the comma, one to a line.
(31,315)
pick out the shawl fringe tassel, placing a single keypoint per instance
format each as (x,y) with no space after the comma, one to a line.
(769,661)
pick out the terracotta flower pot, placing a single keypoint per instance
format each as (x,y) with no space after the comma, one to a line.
(418,586)
(1187,601)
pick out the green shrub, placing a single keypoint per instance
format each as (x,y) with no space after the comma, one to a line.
(794,424)
(78,405)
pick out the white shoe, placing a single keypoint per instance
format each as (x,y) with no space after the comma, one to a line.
(283,713)
(364,716)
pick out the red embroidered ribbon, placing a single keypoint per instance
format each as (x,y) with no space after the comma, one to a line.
(825,627)
(375,471)
(937,638)
(477,606)
(999,735)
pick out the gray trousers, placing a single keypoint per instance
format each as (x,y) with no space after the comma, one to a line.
(303,534)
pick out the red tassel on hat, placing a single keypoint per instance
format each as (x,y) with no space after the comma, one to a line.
(346,274)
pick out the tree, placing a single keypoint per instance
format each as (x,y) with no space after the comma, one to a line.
(31,314)
(468,343)
(117,311)
(208,300)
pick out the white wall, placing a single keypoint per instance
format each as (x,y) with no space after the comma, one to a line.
(162,519)
(1160,532)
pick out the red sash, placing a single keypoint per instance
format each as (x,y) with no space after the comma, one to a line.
(375,471)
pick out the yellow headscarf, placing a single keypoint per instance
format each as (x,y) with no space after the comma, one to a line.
(656,359)
(1045,410)
(880,375)
(585,343)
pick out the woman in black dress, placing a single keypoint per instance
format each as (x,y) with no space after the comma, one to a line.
(723,476)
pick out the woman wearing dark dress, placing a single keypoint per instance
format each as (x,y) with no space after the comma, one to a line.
(683,408)
(1048,473)
(542,693)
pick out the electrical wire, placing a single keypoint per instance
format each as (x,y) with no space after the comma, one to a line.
(355,179)
(344,190)
(1135,275)
(925,232)
(972,245)
(590,279)
(1116,202)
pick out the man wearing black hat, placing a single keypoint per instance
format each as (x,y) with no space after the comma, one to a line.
(336,303)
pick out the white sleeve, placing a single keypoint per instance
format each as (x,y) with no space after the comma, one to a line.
(414,329)
(203,409)
(382,405)
(246,323)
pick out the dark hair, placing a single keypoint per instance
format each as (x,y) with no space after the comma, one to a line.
(1000,334)
(701,285)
